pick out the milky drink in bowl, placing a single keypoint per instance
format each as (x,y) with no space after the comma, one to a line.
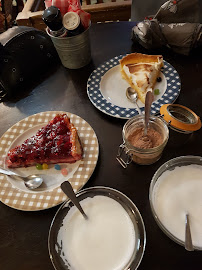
(110,239)
(175,190)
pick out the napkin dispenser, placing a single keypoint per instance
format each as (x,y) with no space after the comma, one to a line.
(26,54)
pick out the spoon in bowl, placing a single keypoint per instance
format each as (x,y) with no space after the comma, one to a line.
(68,190)
(188,239)
(31,181)
(132,96)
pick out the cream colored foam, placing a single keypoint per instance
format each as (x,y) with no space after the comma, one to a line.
(105,241)
(176,193)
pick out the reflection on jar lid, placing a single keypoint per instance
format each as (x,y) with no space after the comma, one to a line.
(180,118)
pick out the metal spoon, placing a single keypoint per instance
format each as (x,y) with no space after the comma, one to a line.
(31,181)
(148,101)
(68,190)
(132,96)
(188,239)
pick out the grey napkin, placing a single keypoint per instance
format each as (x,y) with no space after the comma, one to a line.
(175,25)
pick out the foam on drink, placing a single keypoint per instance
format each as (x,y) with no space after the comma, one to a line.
(105,241)
(175,193)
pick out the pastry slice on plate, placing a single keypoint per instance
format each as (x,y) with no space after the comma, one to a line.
(141,71)
(57,142)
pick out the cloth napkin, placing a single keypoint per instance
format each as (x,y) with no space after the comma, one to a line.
(70,5)
(175,25)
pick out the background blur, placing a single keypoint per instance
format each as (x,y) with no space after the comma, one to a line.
(8,12)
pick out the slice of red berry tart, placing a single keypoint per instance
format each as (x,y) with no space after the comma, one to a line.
(57,142)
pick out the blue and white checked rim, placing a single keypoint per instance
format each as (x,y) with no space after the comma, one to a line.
(102,104)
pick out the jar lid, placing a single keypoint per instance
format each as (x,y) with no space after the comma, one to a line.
(71,20)
(180,118)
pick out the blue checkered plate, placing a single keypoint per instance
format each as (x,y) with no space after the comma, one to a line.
(107,90)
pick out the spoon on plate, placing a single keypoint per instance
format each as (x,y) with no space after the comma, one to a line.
(68,190)
(132,96)
(148,102)
(32,181)
(188,239)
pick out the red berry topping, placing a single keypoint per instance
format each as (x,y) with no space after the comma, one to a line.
(54,143)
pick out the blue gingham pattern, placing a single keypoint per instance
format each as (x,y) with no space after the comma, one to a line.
(102,104)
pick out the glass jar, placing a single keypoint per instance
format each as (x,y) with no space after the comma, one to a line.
(140,155)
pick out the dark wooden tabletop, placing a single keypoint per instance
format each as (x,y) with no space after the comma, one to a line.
(24,235)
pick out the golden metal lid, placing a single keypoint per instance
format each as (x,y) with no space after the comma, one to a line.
(180,118)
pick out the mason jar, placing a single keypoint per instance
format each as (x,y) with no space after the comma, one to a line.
(140,155)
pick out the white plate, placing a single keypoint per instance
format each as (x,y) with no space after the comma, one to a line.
(16,195)
(113,88)
(107,90)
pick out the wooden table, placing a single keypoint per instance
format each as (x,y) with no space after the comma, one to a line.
(23,235)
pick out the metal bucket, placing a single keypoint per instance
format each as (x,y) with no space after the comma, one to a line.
(74,52)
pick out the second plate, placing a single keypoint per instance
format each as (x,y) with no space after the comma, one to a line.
(107,89)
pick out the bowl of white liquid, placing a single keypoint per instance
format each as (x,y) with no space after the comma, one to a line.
(175,190)
(112,238)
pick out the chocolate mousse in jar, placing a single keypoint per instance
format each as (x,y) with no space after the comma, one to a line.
(140,148)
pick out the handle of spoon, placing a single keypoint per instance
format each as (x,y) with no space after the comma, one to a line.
(7,172)
(68,190)
(188,239)
(12,174)
(148,102)
(138,109)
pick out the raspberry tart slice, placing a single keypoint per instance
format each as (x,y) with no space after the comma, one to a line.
(57,142)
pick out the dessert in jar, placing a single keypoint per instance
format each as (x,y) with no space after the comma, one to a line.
(139,148)
(147,150)
(152,139)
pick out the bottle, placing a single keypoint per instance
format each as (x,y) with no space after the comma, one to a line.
(72,22)
(53,19)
